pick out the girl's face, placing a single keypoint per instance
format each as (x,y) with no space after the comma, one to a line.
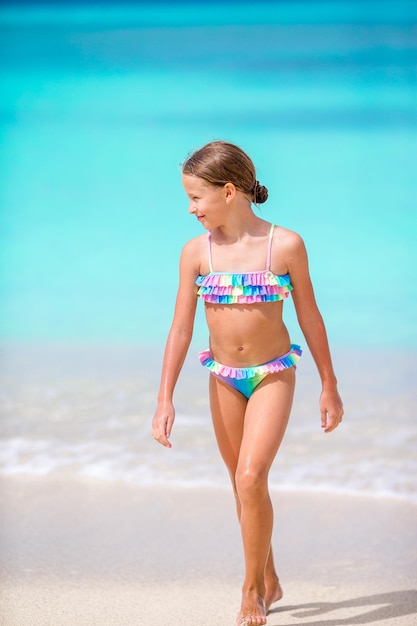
(207,202)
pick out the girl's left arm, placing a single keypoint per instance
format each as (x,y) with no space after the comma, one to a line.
(313,328)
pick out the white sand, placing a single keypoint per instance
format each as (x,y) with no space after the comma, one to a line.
(88,553)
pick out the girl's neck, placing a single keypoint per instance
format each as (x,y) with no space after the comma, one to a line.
(242,226)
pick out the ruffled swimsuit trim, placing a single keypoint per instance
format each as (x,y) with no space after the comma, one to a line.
(289,359)
(246,287)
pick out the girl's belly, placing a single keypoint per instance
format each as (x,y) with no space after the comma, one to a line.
(245,335)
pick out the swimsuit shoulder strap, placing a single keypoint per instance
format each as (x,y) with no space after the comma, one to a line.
(209,251)
(268,259)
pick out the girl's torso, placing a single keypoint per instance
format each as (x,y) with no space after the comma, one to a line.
(244,309)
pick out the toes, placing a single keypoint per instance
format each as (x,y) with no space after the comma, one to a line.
(251,621)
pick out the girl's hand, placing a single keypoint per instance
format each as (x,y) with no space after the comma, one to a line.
(162,423)
(331,409)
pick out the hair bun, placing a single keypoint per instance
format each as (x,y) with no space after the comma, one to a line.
(260,193)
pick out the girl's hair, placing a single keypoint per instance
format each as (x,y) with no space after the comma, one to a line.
(220,162)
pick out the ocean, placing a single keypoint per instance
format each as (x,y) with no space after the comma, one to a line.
(100,103)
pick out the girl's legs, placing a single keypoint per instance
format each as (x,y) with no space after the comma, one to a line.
(228,408)
(249,433)
(273,590)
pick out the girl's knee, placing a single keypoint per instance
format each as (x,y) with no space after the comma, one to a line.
(250,485)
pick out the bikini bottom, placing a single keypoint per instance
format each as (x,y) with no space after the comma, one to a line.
(246,379)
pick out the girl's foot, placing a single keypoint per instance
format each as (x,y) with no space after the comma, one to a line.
(253,611)
(273,594)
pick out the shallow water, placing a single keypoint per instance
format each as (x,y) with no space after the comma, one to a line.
(86,412)
(99,105)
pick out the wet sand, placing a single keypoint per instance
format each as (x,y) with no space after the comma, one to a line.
(87,553)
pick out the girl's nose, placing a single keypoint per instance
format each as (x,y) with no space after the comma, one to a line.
(191,208)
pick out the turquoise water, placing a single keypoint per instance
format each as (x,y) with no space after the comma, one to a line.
(99,105)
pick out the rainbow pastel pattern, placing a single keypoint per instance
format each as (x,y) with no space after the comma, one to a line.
(247,288)
(246,379)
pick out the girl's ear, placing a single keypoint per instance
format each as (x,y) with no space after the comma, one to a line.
(229,192)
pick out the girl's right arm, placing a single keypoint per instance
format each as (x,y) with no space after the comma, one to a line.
(178,342)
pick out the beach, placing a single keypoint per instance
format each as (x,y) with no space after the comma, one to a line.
(99,525)
(88,553)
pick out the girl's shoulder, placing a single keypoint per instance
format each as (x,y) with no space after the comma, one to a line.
(194,252)
(288,238)
(195,245)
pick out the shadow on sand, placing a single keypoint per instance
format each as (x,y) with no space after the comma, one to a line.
(395,604)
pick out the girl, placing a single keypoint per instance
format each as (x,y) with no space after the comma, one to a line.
(243,268)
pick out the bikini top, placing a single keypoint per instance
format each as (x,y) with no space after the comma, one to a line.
(245,288)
